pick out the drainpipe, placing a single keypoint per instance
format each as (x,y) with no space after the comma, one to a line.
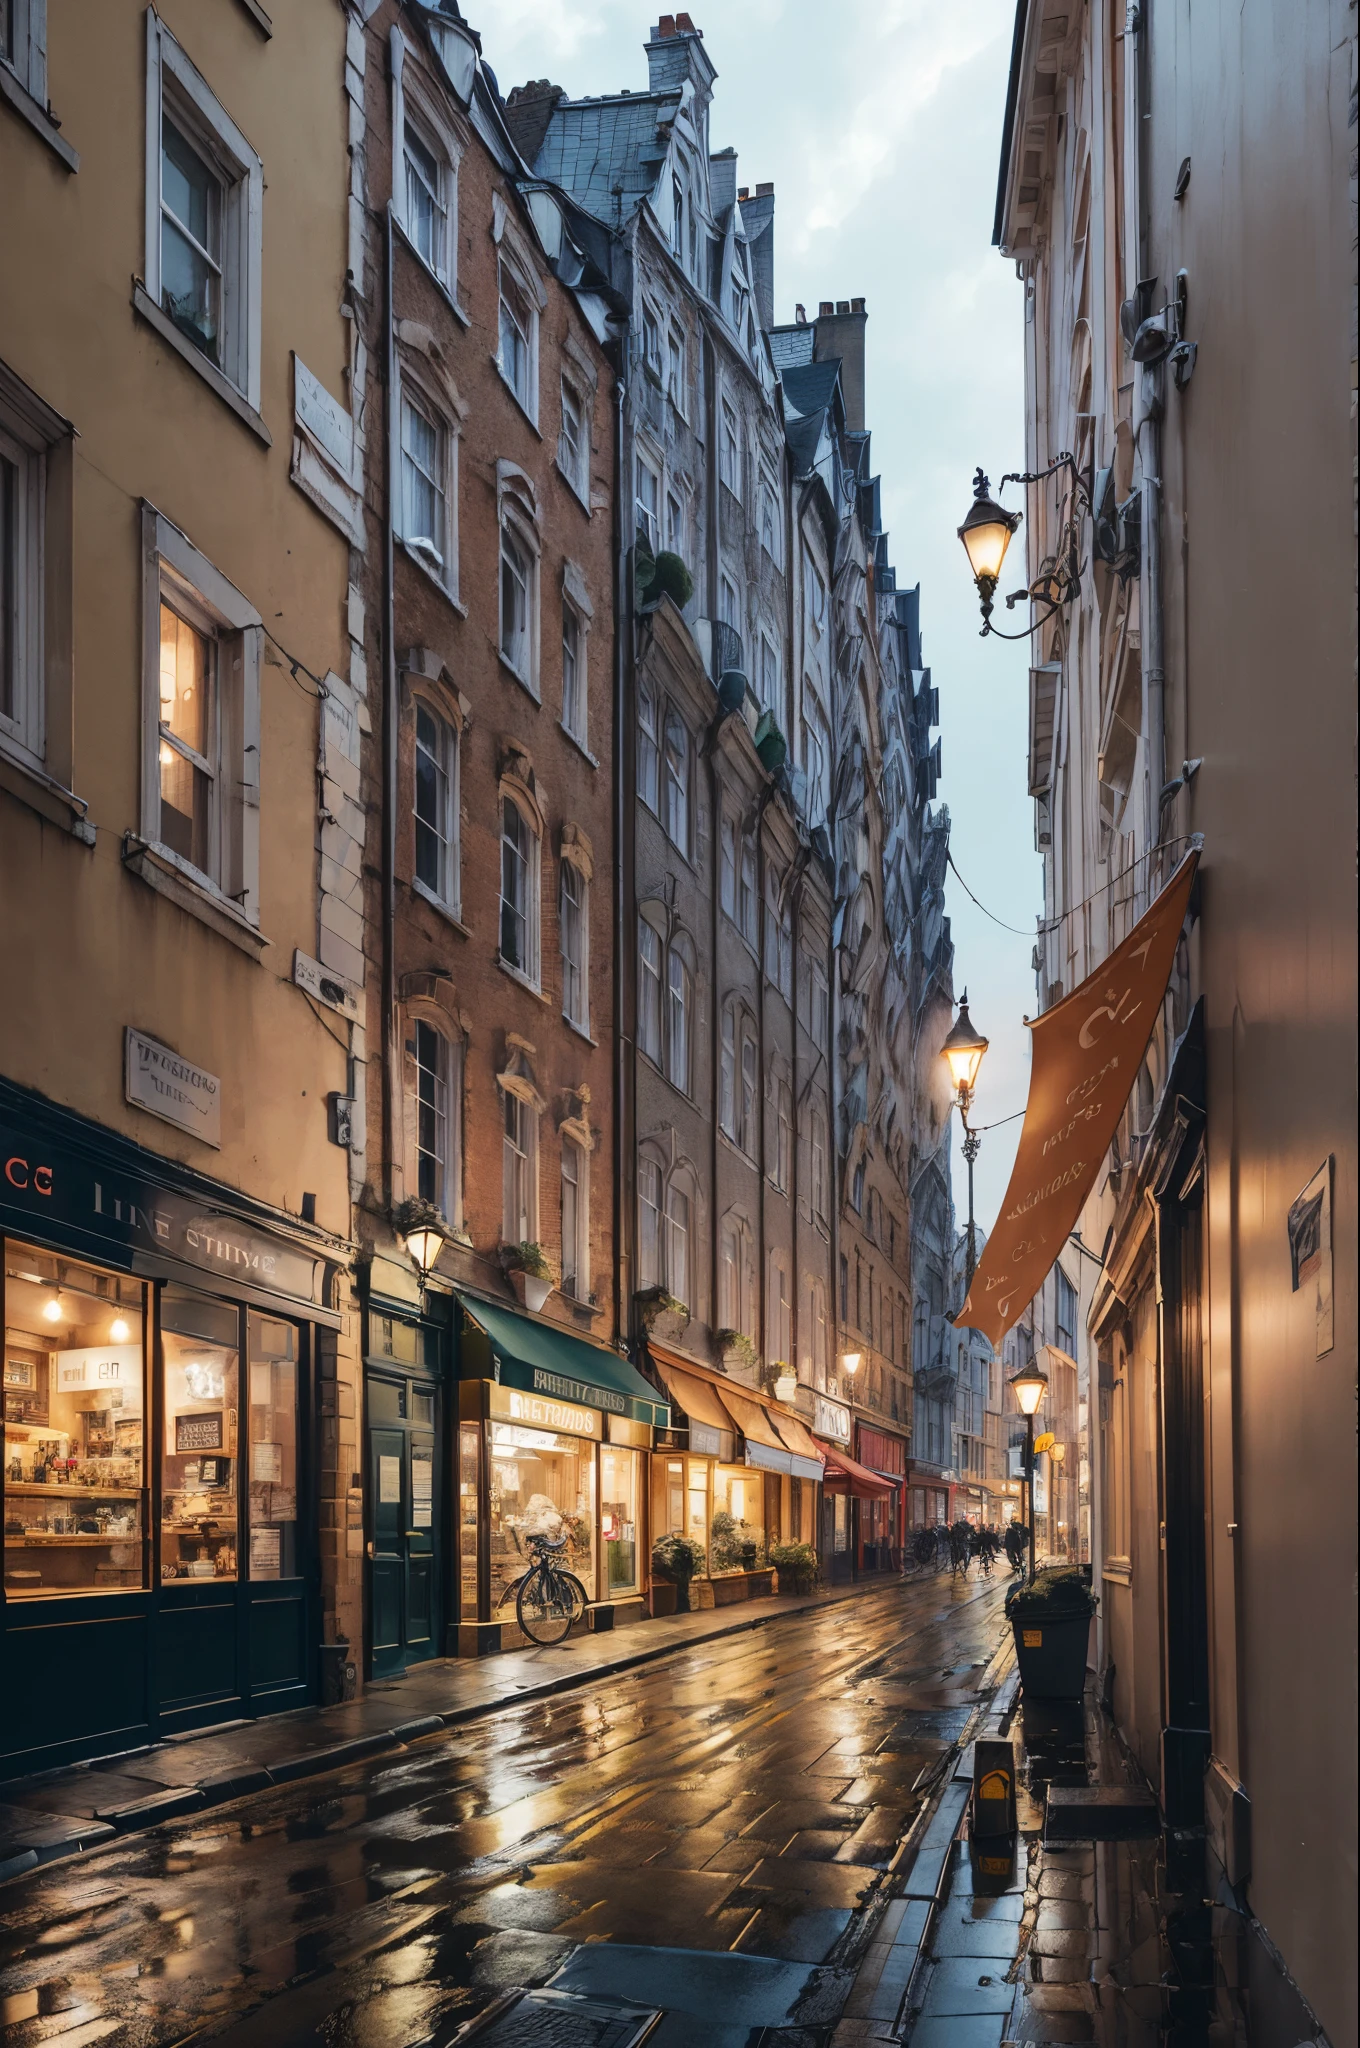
(1151,387)
(623,1047)
(389,838)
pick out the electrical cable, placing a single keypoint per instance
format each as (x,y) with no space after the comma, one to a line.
(1051,925)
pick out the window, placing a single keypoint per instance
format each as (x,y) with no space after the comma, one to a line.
(520,1221)
(675,524)
(819,1192)
(819,1334)
(677,780)
(436,807)
(727,602)
(518,339)
(519,891)
(857,1189)
(783,1142)
(746,892)
(651,340)
(203,221)
(677,1021)
(428,182)
(272,1379)
(677,220)
(575,1221)
(729,449)
(729,838)
(769,517)
(676,380)
(819,1004)
(649,990)
(573,440)
(649,750)
(433,1179)
(769,673)
(574,918)
(22,480)
(200,1345)
(573,672)
(778,936)
(738,855)
(519,587)
(817,756)
(201,779)
(23,45)
(677,1243)
(750,1088)
(1066,1319)
(424,500)
(736,1278)
(648,504)
(778,1313)
(649,1224)
(814,596)
(727,1074)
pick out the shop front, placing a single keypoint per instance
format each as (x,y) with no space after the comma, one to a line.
(553,1438)
(832,1426)
(927,1499)
(881,1521)
(865,1495)
(737,1476)
(159,1516)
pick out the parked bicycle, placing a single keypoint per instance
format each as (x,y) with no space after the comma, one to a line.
(548,1598)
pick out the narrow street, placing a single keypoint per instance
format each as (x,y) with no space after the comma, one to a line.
(742,1796)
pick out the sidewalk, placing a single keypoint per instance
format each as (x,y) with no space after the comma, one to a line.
(62,1812)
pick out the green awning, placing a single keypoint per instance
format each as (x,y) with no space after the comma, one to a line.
(541,1358)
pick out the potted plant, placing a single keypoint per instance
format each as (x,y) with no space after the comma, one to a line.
(678,1560)
(1051,1616)
(655,1302)
(796,1564)
(735,1344)
(529,1273)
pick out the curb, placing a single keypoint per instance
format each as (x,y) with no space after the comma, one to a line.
(247,1781)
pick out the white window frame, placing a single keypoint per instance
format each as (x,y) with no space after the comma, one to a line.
(519,1154)
(679,1019)
(679,1283)
(441,565)
(23,480)
(576,704)
(748,894)
(769,507)
(172,566)
(675,522)
(651,1194)
(531,971)
(650,707)
(817,1178)
(778,937)
(676,783)
(783,1137)
(517,531)
(577,473)
(652,330)
(647,514)
(448,1198)
(574,897)
(525,396)
(729,861)
(778,1310)
(173,81)
(651,1031)
(575,1282)
(729,605)
(447,894)
(748,1084)
(677,369)
(729,1098)
(770,692)
(729,445)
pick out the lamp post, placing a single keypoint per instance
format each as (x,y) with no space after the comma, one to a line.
(1029,1385)
(1056,1455)
(962,1052)
(986,534)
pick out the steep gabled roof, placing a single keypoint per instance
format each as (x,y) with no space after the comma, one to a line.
(608,153)
(811,387)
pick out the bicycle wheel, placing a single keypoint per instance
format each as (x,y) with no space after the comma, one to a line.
(544,1607)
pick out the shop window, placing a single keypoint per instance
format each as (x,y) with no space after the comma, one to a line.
(538,1484)
(840,1524)
(619,1487)
(200,1340)
(738,1526)
(272,1364)
(468,1437)
(74,1474)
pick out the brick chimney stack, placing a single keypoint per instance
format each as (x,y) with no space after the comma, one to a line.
(838,336)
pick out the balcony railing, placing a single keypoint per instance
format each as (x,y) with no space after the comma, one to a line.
(727,649)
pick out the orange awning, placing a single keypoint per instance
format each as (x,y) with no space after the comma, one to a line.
(797,1435)
(1086,1053)
(843,1475)
(693,1396)
(752,1419)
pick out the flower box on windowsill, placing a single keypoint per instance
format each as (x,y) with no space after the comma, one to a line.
(532,1289)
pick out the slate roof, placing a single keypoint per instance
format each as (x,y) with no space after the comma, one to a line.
(608,152)
(803,437)
(810,387)
(790,347)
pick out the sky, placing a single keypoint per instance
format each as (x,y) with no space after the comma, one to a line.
(879,124)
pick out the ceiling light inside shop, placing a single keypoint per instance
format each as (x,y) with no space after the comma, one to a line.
(52,1308)
(120,1330)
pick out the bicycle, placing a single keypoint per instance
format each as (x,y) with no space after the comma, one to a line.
(548,1599)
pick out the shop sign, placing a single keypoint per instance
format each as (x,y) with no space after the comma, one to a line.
(174,1089)
(113,1215)
(830,1419)
(116,1365)
(707,1442)
(509,1404)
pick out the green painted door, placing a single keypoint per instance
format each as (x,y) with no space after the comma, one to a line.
(405,1548)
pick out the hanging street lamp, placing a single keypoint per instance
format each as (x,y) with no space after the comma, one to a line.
(986,534)
(1029,1386)
(962,1053)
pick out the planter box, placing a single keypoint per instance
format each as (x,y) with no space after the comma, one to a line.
(794,1582)
(1051,1652)
(730,1590)
(661,1598)
(760,1585)
(531,1288)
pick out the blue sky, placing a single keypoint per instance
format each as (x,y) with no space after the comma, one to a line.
(879,123)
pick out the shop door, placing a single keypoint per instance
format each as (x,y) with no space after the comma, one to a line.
(405,1553)
(1185,1600)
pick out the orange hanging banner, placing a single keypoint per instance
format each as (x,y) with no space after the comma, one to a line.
(1085,1054)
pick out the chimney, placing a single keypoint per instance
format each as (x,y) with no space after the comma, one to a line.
(758,217)
(722,179)
(528,115)
(839,337)
(675,53)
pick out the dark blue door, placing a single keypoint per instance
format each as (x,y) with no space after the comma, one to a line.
(405,1548)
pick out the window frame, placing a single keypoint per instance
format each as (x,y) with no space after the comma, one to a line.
(448,898)
(778,962)
(575,970)
(413,394)
(208,128)
(651,1179)
(531,862)
(577,475)
(651,1042)
(771,690)
(769,503)
(575,1281)
(677,780)
(679,1020)
(515,533)
(729,446)
(522,1145)
(509,268)
(651,328)
(430,136)
(647,517)
(576,611)
(449,1200)
(677,368)
(171,561)
(650,705)
(23,729)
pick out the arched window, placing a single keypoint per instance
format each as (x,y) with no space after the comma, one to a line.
(649,990)
(519,891)
(678,1005)
(436,807)
(736,1277)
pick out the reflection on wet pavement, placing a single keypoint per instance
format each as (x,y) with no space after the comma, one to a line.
(743,1796)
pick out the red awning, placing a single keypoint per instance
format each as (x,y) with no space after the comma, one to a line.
(843,1475)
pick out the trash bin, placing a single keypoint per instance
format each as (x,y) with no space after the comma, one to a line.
(1052,1623)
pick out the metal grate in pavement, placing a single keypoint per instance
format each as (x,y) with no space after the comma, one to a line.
(561,2019)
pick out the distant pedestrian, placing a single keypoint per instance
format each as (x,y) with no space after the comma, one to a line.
(1016,1545)
(986,1549)
(960,1545)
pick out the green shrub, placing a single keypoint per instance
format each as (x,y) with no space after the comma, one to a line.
(677,1557)
(1059,1591)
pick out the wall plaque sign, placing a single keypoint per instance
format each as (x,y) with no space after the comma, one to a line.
(174,1089)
